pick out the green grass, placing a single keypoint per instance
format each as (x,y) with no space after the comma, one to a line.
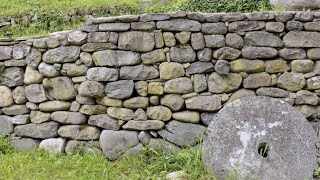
(149,165)
(12,7)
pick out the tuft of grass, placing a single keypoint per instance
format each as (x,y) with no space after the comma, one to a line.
(79,165)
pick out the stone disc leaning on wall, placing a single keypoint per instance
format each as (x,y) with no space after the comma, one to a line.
(261,138)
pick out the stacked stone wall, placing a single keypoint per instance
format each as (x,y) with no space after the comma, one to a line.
(121,83)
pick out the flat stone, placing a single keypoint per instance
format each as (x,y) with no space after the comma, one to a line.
(283,16)
(250,52)
(20,51)
(248,66)
(214,28)
(6,126)
(159,113)
(140,115)
(102,74)
(200,68)
(52,106)
(40,131)
(39,117)
(181,85)
(32,76)
(197,41)
(91,89)
(302,39)
(79,132)
(169,39)
(120,113)
(313,83)
(120,89)
(136,103)
(294,25)
(143,26)
(199,82)
(136,41)
(260,16)
(303,16)
(60,88)
(143,125)
(115,58)
(106,101)
(53,145)
(171,70)
(139,72)
(93,47)
(155,88)
(182,134)
(19,95)
(204,103)
(92,109)
(25,144)
(313,53)
(5,53)
(115,143)
(48,70)
(6,96)
(224,83)
(230,17)
(204,55)
(272,92)
(153,17)
(276,66)
(263,39)
(215,41)
(234,40)
(174,101)
(61,54)
(302,66)
(74,70)
(275,27)
(182,54)
(278,127)
(65,117)
(104,121)
(306,97)
(291,81)
(243,26)
(226,53)
(257,80)
(153,57)
(187,116)
(20,119)
(114,27)
(15,110)
(183,37)
(77,37)
(179,25)
(12,76)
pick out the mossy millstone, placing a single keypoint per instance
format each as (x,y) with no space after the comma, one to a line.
(256,144)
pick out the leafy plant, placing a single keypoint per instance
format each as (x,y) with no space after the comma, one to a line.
(212,6)
(5,145)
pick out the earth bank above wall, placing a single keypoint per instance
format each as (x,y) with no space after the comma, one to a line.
(121,83)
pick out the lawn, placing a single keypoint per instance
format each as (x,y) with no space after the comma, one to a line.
(79,165)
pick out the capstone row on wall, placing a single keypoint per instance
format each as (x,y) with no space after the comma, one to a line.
(121,83)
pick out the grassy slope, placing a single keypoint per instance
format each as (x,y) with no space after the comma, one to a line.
(12,7)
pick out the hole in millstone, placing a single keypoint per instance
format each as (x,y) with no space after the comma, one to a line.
(263,149)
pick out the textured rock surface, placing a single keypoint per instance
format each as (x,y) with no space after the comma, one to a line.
(278,127)
(142,72)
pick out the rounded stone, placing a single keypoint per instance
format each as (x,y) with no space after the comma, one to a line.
(6,96)
(276,143)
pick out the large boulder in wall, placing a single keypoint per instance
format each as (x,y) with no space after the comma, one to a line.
(297,4)
(261,138)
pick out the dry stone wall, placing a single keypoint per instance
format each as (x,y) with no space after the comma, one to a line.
(121,83)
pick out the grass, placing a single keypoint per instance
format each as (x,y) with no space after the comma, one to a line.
(150,165)
(12,7)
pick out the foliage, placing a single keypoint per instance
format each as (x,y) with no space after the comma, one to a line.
(5,145)
(79,165)
(212,6)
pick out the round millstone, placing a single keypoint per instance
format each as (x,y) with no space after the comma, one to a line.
(260,138)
